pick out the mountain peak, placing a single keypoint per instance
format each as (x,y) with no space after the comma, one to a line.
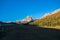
(26,20)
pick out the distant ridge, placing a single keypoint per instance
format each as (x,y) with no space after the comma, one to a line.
(48,14)
(58,10)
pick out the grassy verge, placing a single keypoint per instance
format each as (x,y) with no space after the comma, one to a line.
(54,27)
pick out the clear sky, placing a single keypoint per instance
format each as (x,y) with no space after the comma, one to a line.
(11,10)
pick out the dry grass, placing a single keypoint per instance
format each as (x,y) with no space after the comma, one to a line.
(53,27)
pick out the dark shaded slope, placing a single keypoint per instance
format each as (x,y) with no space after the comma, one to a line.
(25,32)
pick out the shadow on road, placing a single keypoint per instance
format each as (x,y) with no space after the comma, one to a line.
(28,32)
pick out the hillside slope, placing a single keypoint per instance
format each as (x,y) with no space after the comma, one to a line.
(51,20)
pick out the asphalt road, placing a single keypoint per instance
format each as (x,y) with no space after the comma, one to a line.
(19,32)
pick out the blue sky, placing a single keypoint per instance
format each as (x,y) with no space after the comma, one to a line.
(11,10)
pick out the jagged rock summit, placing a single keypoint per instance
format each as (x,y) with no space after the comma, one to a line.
(25,20)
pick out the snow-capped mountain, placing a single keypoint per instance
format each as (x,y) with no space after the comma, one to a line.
(26,20)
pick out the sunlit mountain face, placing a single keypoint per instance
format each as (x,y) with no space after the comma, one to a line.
(51,19)
(25,20)
(51,13)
